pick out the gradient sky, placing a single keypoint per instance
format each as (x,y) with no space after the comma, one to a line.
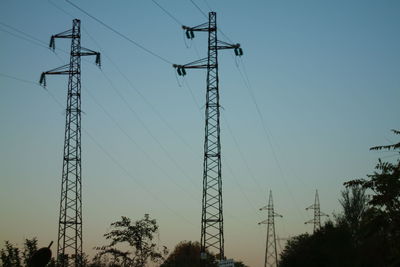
(325,76)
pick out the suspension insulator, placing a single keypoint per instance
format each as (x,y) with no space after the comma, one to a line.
(52,43)
(238,51)
(42,80)
(179,71)
(187,34)
(98,60)
(183,71)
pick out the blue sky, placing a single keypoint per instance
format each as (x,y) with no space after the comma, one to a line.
(324,75)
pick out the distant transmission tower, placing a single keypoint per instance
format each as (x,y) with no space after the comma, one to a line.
(212,222)
(317,213)
(70,220)
(271,254)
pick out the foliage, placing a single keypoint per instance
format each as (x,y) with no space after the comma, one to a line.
(138,236)
(30,247)
(240,264)
(382,225)
(328,246)
(388,147)
(10,256)
(187,254)
(354,203)
(366,233)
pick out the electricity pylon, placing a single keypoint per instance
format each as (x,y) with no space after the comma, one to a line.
(70,221)
(212,222)
(271,254)
(317,213)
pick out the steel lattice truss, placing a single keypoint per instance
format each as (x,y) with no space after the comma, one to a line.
(316,221)
(271,255)
(70,218)
(212,222)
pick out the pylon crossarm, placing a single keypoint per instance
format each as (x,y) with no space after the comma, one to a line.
(87,52)
(205,27)
(199,28)
(323,214)
(311,207)
(65,34)
(263,222)
(198,64)
(277,215)
(60,70)
(224,45)
(309,221)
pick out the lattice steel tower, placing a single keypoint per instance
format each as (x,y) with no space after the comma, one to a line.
(70,221)
(317,213)
(271,254)
(212,222)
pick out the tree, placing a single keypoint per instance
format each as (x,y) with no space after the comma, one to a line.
(354,204)
(382,225)
(30,247)
(367,231)
(187,254)
(240,264)
(138,236)
(10,256)
(329,246)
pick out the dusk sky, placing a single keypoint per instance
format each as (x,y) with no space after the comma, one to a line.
(317,86)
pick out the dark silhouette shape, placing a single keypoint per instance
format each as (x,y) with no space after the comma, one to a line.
(212,221)
(41,257)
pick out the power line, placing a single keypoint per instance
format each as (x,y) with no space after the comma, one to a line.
(133,141)
(199,9)
(114,160)
(168,13)
(230,170)
(109,155)
(134,112)
(24,33)
(148,130)
(268,137)
(205,15)
(24,38)
(169,126)
(241,154)
(131,84)
(27,37)
(18,79)
(159,114)
(208,5)
(153,108)
(120,34)
(249,85)
(141,121)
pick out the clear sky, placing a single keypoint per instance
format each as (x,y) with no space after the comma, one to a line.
(317,86)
